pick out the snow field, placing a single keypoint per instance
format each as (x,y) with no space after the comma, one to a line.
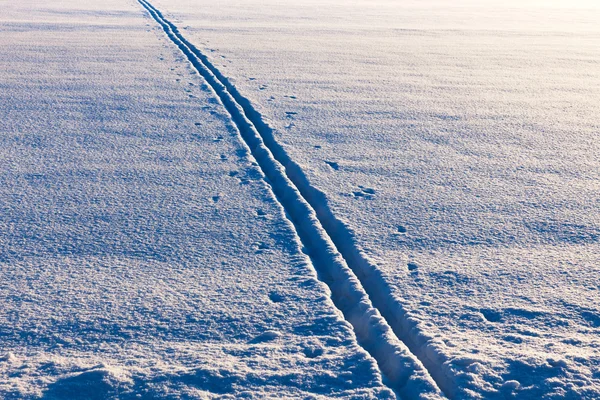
(456,146)
(142,254)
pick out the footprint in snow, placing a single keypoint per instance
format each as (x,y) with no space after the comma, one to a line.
(242,154)
(275,297)
(369,190)
(412,266)
(313,352)
(313,348)
(367,193)
(333,165)
(593,319)
(402,229)
(491,315)
(267,336)
(261,247)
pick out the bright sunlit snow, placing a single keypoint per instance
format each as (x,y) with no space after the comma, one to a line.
(300,199)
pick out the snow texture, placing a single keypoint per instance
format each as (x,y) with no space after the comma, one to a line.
(308,199)
(143,254)
(456,147)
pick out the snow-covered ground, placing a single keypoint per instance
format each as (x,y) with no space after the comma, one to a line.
(142,255)
(458,143)
(445,151)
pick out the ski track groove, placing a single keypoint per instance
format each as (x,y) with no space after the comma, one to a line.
(408,361)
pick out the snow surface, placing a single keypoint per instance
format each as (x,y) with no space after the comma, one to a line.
(457,142)
(438,160)
(142,254)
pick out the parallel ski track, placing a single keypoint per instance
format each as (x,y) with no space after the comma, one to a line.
(406,359)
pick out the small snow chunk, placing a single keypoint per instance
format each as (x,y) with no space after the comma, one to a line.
(475,368)
(557,363)
(511,385)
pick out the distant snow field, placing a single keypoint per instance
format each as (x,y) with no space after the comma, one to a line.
(300,199)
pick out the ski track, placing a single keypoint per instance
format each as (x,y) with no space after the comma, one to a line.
(407,360)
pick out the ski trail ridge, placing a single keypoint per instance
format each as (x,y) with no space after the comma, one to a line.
(409,365)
